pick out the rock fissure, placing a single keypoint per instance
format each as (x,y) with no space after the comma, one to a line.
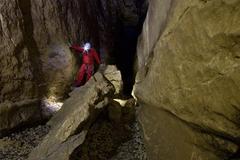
(27,28)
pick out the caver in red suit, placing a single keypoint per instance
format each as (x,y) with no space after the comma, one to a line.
(89,55)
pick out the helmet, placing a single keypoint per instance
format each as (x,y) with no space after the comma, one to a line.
(87,46)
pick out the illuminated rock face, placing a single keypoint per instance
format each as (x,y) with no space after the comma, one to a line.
(189,79)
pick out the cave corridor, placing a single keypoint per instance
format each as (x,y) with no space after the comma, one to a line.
(168,87)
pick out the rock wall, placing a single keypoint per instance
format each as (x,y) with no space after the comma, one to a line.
(188,80)
(35,59)
(32,48)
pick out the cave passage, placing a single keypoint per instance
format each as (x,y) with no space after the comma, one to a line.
(126,48)
(125,57)
(115,34)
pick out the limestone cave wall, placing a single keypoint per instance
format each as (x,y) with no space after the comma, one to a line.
(188,80)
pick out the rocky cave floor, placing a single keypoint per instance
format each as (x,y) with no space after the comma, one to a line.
(106,140)
(18,145)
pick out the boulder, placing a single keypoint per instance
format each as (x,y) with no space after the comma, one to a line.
(114,76)
(70,125)
(188,84)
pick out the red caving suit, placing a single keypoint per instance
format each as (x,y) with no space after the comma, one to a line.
(87,66)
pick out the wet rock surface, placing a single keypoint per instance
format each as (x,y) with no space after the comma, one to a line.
(18,145)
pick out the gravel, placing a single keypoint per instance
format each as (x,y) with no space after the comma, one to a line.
(110,141)
(18,145)
(133,149)
(106,140)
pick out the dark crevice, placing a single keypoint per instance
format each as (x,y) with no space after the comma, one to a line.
(126,55)
(17,50)
(27,29)
(126,46)
(90,21)
(109,31)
